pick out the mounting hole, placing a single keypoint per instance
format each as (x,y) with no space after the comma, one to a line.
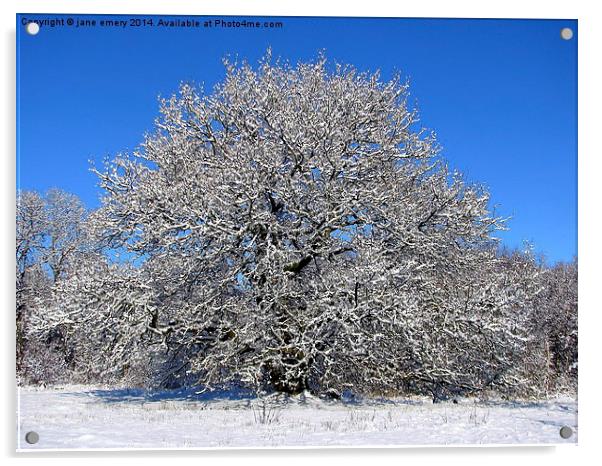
(32,28)
(32,437)
(566,432)
(566,33)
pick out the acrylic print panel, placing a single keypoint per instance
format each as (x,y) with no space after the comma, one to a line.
(245,232)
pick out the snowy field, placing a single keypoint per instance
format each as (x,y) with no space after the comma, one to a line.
(81,417)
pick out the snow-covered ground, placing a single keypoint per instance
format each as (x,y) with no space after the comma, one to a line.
(81,417)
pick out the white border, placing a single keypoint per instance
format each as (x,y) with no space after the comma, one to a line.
(589,33)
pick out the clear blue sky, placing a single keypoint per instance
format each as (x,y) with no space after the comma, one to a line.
(501,95)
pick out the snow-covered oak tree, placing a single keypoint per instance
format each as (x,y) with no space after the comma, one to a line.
(295,229)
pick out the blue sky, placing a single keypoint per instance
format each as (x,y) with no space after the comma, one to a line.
(500,94)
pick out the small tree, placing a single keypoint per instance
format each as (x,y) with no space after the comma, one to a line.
(50,239)
(30,224)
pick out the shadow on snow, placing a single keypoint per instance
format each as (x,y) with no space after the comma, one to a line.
(133,395)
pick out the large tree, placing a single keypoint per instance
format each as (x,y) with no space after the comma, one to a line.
(295,229)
